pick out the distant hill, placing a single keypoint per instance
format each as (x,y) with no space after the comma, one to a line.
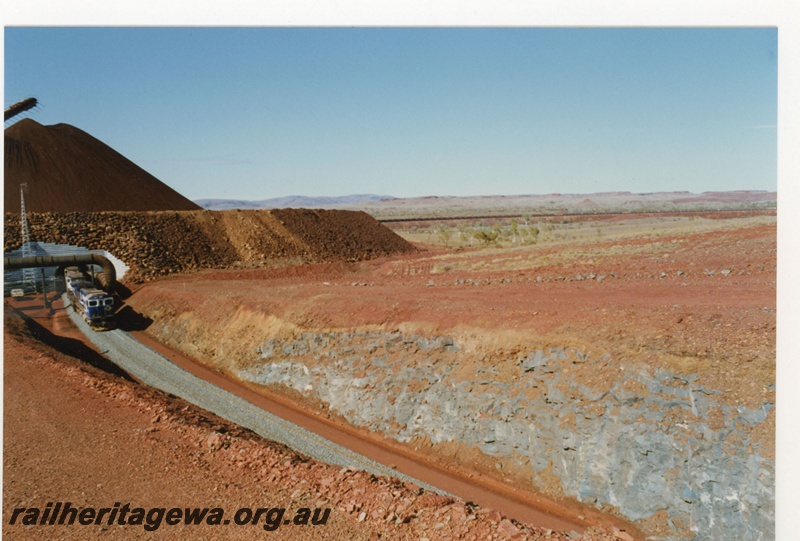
(68,170)
(387,208)
(292,201)
(557,203)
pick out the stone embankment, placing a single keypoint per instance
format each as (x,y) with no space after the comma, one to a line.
(160,243)
(656,446)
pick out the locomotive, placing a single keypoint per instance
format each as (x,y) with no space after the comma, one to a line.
(95,306)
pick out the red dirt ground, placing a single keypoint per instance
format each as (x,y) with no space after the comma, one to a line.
(664,302)
(77,433)
(720,326)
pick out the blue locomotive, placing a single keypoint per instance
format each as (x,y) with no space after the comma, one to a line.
(95,306)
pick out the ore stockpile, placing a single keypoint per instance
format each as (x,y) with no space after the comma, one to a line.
(157,244)
(64,169)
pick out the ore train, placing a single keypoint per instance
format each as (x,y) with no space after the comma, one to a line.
(94,305)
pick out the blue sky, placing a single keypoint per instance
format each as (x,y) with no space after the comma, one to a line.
(254,113)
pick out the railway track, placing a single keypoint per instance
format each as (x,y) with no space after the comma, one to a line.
(230,400)
(153,369)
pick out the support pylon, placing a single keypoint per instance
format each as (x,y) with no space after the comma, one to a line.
(28,275)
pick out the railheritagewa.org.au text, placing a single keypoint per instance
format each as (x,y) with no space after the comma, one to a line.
(55,514)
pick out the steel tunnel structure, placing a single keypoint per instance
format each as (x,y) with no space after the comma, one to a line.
(108,280)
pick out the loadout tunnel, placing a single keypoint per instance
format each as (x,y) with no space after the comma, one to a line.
(108,278)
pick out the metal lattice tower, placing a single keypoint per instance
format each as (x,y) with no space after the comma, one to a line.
(29,274)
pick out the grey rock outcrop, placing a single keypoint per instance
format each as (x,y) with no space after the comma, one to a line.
(643,446)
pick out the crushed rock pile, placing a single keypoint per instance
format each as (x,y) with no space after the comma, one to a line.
(156,244)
